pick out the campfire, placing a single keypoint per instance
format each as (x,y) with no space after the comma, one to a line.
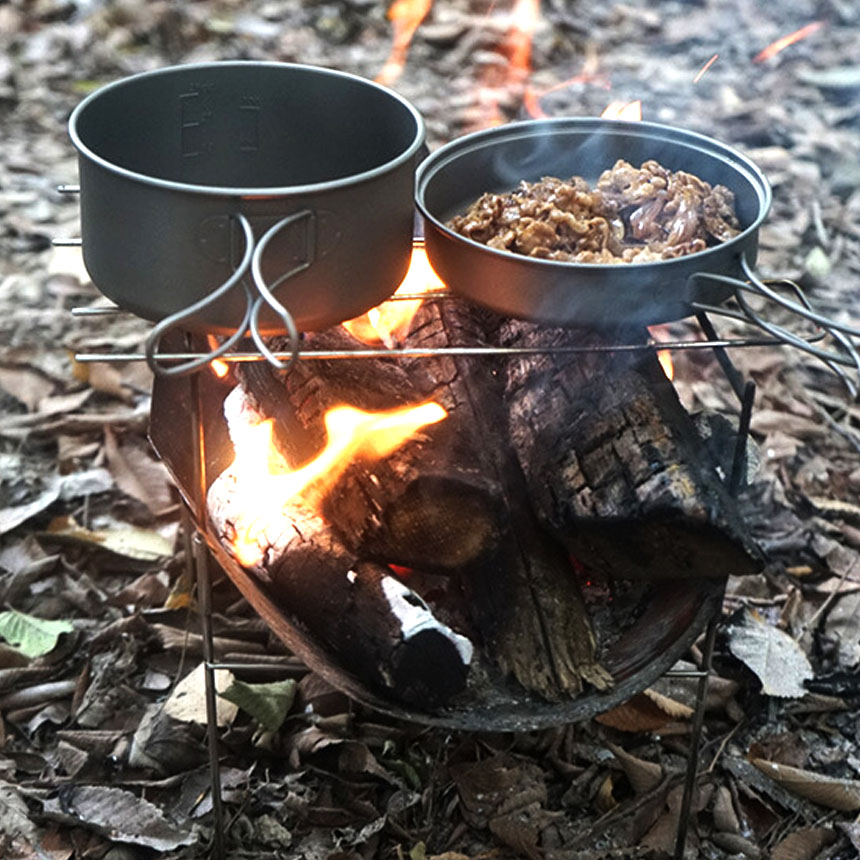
(469,539)
(503,508)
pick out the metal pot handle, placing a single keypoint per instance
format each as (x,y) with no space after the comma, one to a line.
(265,290)
(169,322)
(846,354)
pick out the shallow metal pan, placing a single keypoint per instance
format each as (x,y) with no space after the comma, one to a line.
(597,295)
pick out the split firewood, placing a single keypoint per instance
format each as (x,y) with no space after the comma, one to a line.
(379,629)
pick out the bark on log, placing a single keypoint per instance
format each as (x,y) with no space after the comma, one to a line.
(614,464)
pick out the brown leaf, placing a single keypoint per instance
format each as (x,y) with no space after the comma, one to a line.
(521,830)
(120,815)
(129,542)
(103,377)
(736,845)
(138,474)
(725,816)
(62,403)
(495,786)
(25,385)
(841,794)
(147,591)
(676,710)
(803,844)
(644,712)
(643,775)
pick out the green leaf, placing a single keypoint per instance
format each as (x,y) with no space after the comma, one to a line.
(268,704)
(32,636)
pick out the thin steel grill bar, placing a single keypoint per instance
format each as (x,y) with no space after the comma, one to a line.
(331,354)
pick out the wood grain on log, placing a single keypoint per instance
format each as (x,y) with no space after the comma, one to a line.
(380,630)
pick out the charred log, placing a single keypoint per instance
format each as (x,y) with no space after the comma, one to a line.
(614,464)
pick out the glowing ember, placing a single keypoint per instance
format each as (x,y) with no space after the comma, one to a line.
(405,15)
(265,485)
(705,68)
(390,320)
(664,356)
(631,111)
(781,44)
(219,368)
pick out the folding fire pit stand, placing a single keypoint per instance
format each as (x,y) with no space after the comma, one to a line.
(198,559)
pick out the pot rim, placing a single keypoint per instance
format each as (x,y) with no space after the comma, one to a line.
(238,191)
(500,135)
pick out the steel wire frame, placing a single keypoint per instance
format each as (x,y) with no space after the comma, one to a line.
(197,566)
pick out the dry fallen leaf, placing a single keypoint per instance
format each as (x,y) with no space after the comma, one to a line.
(642,775)
(130,542)
(645,712)
(102,377)
(841,794)
(120,815)
(137,473)
(803,844)
(187,702)
(15,516)
(26,386)
(771,654)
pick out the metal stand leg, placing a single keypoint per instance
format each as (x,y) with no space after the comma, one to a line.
(204,599)
(695,740)
(204,592)
(745,392)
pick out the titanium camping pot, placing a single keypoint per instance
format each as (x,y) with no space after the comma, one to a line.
(224,194)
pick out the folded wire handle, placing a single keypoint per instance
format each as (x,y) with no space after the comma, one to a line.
(176,319)
(265,290)
(252,261)
(845,355)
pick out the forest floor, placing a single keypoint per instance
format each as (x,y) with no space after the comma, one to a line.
(103,756)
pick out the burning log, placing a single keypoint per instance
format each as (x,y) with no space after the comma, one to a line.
(452,501)
(614,464)
(382,631)
(540,458)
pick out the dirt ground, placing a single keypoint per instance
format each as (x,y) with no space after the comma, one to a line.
(102,755)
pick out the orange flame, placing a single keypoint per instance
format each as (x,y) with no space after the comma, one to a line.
(265,485)
(664,356)
(781,44)
(590,74)
(517,49)
(390,321)
(631,111)
(405,15)
(701,73)
(218,367)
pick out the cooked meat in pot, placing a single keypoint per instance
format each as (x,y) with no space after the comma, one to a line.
(632,215)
